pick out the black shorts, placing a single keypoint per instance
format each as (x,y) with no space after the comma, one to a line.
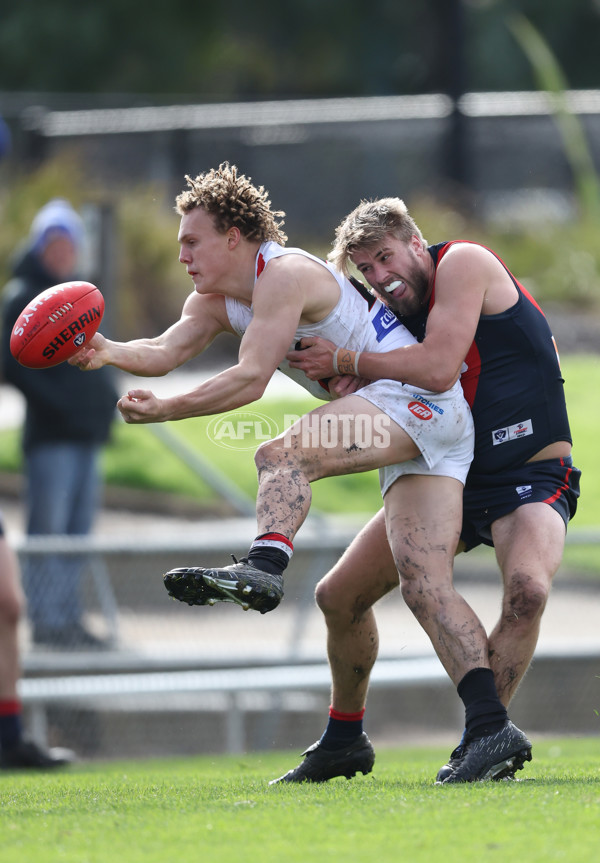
(487,497)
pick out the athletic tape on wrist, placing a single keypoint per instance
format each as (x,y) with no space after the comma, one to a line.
(346,364)
(335,357)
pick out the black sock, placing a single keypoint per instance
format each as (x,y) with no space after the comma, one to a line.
(11,728)
(341,728)
(271,552)
(484,712)
(269,560)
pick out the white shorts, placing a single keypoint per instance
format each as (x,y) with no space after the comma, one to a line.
(440,424)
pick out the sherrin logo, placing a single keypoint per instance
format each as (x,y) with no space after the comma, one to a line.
(422,412)
(73,331)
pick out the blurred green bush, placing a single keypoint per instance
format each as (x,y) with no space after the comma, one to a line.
(555,261)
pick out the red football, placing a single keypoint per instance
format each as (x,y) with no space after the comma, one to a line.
(56,324)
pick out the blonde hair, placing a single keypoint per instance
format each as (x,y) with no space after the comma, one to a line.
(232,201)
(369,223)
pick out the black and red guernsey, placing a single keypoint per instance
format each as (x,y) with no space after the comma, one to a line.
(513,381)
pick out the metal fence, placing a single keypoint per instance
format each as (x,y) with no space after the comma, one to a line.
(215,675)
(334,151)
(178,680)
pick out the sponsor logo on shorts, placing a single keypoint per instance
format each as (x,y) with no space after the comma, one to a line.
(422,412)
(524,491)
(432,405)
(514,432)
(384,322)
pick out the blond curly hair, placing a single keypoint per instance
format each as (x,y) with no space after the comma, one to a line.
(369,223)
(233,201)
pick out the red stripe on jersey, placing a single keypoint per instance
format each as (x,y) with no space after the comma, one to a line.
(260,265)
(469,380)
(527,295)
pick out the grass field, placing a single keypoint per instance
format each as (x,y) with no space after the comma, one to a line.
(221,809)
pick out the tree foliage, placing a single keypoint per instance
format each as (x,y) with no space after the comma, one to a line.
(240,50)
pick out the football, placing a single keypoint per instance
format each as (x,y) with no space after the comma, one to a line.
(56,324)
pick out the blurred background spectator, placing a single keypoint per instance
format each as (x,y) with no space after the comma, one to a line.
(68,418)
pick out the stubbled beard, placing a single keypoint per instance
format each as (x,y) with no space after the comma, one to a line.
(418,291)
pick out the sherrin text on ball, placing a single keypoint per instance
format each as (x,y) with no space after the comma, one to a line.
(56,324)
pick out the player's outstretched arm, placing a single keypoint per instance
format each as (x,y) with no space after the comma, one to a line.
(241,384)
(202,318)
(277,309)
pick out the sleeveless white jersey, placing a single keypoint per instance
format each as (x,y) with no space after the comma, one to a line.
(358,322)
(439,423)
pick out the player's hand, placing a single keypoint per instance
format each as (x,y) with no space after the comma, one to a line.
(315,358)
(345,385)
(93,355)
(141,406)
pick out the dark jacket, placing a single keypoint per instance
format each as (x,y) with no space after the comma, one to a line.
(63,403)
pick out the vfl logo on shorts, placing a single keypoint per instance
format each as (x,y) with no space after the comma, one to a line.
(384,322)
(422,412)
(513,432)
(523,491)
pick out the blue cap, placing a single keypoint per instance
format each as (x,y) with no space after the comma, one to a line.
(56,218)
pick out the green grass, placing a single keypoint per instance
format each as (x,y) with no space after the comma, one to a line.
(582,381)
(222,809)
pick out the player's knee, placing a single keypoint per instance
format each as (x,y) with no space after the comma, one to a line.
(417,600)
(327,597)
(410,575)
(525,599)
(268,454)
(426,596)
(285,455)
(337,602)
